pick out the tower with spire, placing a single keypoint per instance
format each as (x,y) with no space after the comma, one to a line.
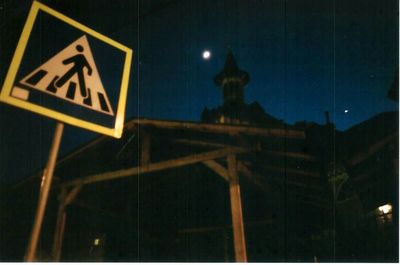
(232,81)
(234,110)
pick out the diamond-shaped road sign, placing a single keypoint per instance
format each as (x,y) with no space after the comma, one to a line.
(66,71)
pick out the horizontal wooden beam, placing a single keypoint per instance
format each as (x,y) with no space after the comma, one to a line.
(291,155)
(216,128)
(168,164)
(200,143)
(300,156)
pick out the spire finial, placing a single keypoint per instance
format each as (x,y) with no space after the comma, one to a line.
(231,70)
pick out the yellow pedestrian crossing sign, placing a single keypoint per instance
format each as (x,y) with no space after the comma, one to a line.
(82,80)
(64,76)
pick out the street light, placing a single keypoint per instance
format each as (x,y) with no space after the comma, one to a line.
(385,208)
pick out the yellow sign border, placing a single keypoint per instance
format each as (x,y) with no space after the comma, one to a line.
(17,58)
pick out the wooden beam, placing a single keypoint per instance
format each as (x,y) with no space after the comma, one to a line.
(200,143)
(168,164)
(236,211)
(216,128)
(60,226)
(243,164)
(72,194)
(291,155)
(65,198)
(59,233)
(300,156)
(217,168)
(361,156)
(213,128)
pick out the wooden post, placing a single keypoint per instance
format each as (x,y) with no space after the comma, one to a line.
(44,193)
(59,233)
(60,226)
(65,198)
(236,211)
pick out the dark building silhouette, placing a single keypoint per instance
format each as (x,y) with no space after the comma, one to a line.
(232,81)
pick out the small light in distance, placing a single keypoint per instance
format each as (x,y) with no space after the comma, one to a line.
(206,55)
(346,111)
(96,242)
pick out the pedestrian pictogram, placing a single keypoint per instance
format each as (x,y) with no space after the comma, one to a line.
(79,62)
(70,75)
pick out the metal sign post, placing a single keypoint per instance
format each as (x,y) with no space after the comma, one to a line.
(44,193)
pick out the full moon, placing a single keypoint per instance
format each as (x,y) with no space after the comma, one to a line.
(206,55)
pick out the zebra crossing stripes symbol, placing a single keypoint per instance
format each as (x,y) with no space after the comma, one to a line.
(70,75)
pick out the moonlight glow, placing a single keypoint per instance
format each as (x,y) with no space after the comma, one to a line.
(206,55)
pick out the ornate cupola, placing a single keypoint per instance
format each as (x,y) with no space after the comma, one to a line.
(232,81)
(235,110)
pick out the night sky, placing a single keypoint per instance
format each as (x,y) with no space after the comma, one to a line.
(304,57)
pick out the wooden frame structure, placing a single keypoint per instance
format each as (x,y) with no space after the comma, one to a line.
(70,189)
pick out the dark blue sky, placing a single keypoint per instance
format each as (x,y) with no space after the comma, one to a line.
(304,57)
